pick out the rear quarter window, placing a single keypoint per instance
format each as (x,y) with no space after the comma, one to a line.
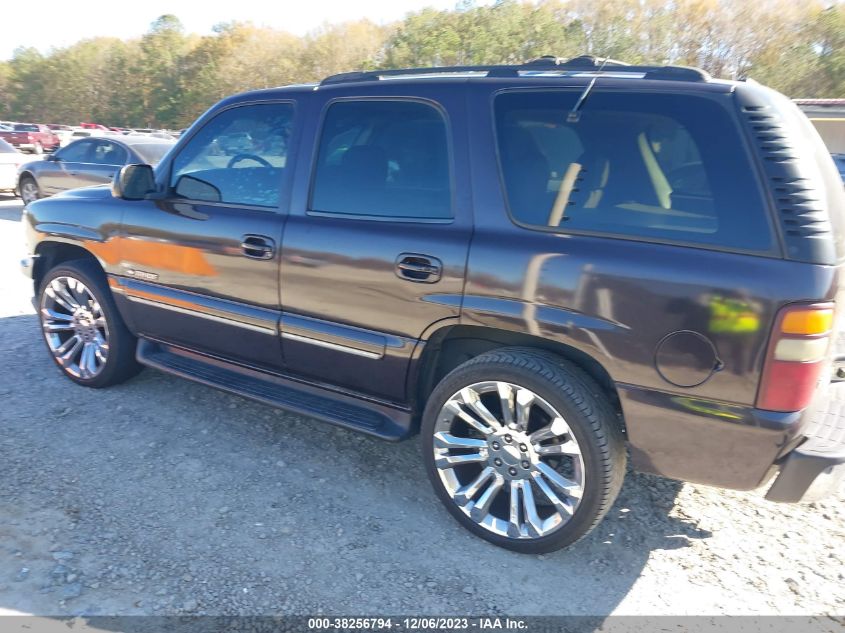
(667,167)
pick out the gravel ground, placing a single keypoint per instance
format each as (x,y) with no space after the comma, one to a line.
(165,497)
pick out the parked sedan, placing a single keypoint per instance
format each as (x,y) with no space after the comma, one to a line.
(86,162)
(10,160)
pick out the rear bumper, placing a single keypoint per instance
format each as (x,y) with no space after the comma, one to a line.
(736,447)
(808,473)
(816,468)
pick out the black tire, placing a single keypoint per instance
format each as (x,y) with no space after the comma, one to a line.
(120,363)
(587,410)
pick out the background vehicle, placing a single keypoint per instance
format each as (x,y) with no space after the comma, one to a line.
(87,162)
(10,160)
(79,133)
(839,159)
(31,137)
(64,132)
(541,268)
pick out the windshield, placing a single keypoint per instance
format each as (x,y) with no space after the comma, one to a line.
(152,153)
(26,127)
(5,148)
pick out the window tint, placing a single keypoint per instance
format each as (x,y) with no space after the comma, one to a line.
(152,153)
(385,159)
(77,152)
(26,127)
(106,153)
(238,157)
(647,165)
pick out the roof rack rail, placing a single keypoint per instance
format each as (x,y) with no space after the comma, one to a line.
(581,64)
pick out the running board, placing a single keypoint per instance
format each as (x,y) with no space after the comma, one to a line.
(376,419)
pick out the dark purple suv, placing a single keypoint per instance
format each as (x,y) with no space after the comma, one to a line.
(544,269)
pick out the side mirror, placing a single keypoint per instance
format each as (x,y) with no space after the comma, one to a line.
(52,158)
(133,182)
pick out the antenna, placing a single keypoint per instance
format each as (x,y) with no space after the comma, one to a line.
(575,114)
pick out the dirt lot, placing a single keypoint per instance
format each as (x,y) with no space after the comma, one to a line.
(161,496)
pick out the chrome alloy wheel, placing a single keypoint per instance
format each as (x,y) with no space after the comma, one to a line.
(75,327)
(508,460)
(29,191)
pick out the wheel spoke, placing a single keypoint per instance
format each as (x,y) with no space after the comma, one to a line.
(53,327)
(506,398)
(562,507)
(524,400)
(446,440)
(481,508)
(465,493)
(55,316)
(557,428)
(68,351)
(87,364)
(569,447)
(570,488)
(54,294)
(456,410)
(450,461)
(471,399)
(66,294)
(529,508)
(514,526)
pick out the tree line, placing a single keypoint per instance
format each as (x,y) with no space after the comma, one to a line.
(167,77)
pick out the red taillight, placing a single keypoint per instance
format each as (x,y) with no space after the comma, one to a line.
(796,356)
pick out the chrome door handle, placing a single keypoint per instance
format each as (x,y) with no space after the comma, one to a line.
(258,246)
(419,268)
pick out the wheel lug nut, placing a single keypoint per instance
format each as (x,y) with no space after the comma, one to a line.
(526,464)
(497,461)
(523,447)
(512,471)
(496,446)
(508,438)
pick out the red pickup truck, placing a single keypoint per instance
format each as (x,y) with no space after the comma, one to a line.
(31,137)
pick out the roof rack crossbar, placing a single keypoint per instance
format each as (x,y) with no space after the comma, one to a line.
(584,63)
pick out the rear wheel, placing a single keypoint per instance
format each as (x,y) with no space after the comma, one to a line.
(30,191)
(84,332)
(524,449)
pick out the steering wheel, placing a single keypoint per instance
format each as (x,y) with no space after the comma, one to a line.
(239,157)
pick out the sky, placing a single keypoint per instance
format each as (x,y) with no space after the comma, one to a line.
(59,23)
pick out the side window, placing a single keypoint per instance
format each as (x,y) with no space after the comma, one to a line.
(78,152)
(383,159)
(644,165)
(106,153)
(238,157)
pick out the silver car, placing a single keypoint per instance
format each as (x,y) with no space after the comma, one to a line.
(87,162)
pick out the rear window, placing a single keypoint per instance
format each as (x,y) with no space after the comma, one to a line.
(387,159)
(5,148)
(649,165)
(25,127)
(152,153)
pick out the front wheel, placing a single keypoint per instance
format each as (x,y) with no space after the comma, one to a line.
(523,449)
(84,332)
(30,191)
